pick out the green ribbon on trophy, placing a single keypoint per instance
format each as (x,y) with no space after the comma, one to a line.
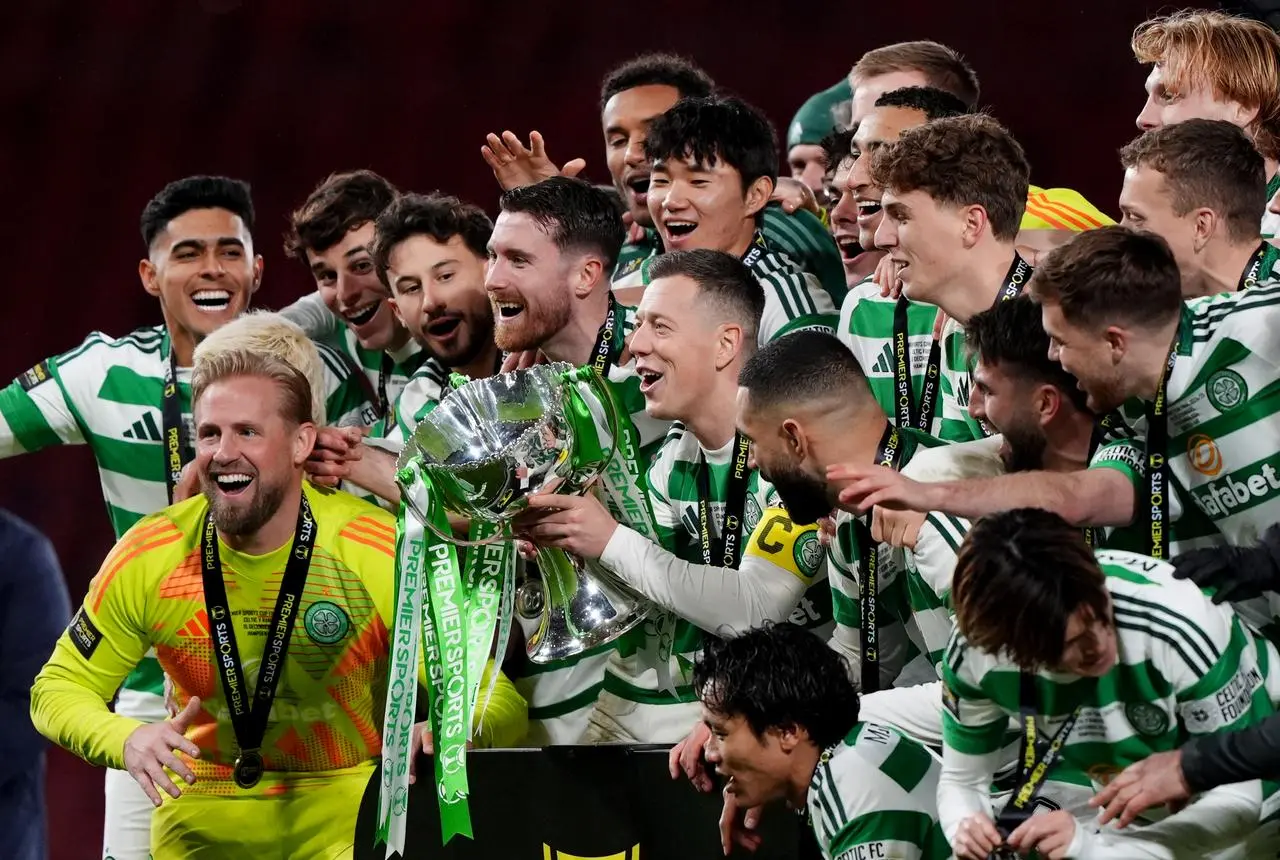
(483,449)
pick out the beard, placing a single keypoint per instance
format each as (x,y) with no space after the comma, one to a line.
(804,496)
(536,324)
(1023,449)
(478,334)
(242,519)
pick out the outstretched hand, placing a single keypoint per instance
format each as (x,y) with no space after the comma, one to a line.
(515,165)
(151,747)
(577,524)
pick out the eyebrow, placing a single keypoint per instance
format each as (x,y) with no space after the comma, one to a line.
(358,249)
(201,244)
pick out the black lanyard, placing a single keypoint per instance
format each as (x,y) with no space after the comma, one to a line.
(249,719)
(602,352)
(727,551)
(1157,466)
(1253,271)
(888,454)
(386,368)
(1033,765)
(177,447)
(908,415)
(1014,280)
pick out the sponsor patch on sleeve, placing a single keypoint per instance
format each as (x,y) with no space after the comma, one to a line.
(794,548)
(84,635)
(36,375)
(1231,702)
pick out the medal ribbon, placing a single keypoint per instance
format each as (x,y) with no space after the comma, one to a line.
(908,414)
(889,453)
(727,551)
(178,451)
(1034,766)
(249,716)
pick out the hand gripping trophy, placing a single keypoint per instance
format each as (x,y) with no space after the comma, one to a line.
(486,447)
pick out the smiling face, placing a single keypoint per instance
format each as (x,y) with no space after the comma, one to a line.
(350,288)
(703,206)
(1090,357)
(756,766)
(626,118)
(528,283)
(202,268)
(925,239)
(881,127)
(676,349)
(439,295)
(1005,402)
(247,454)
(1146,203)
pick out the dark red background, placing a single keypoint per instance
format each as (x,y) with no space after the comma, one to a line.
(105,102)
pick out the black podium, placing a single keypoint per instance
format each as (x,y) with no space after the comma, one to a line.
(609,802)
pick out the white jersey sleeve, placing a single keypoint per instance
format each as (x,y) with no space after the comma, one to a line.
(310,314)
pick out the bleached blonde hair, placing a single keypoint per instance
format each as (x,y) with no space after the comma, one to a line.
(229,351)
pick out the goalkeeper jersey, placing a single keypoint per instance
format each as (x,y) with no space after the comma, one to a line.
(107,393)
(801,236)
(327,713)
(874,795)
(771,540)
(903,651)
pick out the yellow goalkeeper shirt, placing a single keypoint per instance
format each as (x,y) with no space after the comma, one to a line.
(327,713)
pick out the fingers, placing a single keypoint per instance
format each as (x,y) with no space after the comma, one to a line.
(159,779)
(180,723)
(178,766)
(554,501)
(514,145)
(537,147)
(428,743)
(527,550)
(728,814)
(574,167)
(143,778)
(334,471)
(790,206)
(510,362)
(846,472)
(674,759)
(979,836)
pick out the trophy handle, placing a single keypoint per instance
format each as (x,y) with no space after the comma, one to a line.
(496,537)
(597,384)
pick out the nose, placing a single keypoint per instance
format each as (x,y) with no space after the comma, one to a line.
(845,209)
(634,155)
(711,749)
(675,197)
(433,298)
(349,290)
(639,344)
(887,234)
(1149,118)
(494,273)
(978,404)
(213,266)
(1055,351)
(1274,205)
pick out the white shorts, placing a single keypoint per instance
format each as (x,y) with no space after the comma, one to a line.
(126,826)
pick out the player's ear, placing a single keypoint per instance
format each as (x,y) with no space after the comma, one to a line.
(304,441)
(149,275)
(790,737)
(796,439)
(758,194)
(257,273)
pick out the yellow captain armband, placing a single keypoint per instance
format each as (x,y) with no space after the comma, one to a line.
(794,548)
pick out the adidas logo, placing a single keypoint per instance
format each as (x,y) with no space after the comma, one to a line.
(962,390)
(144,430)
(884,362)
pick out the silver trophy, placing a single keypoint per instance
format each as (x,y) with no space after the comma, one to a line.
(493,442)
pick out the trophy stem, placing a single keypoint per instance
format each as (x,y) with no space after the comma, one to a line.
(584,607)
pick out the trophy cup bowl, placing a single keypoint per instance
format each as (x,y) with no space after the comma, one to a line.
(493,442)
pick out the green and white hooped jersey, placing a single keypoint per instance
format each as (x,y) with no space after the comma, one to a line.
(1270,220)
(874,795)
(903,649)
(107,393)
(768,538)
(867,328)
(1185,667)
(1224,434)
(424,390)
(957,384)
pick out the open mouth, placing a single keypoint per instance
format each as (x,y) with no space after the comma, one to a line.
(849,247)
(443,328)
(360,316)
(648,379)
(680,229)
(507,310)
(868,209)
(211,301)
(233,483)
(639,185)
